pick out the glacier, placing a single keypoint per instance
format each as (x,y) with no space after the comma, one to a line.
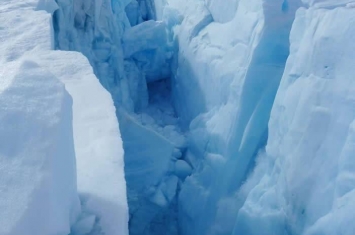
(189,117)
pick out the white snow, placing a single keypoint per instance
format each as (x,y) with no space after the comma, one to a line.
(42,124)
(97,140)
(38,192)
(37,158)
(229,65)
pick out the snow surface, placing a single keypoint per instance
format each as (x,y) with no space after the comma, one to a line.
(37,158)
(38,192)
(43,122)
(97,140)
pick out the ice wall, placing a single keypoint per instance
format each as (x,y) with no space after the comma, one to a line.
(130,63)
(218,89)
(45,125)
(98,146)
(305,181)
(228,72)
(95,28)
(229,66)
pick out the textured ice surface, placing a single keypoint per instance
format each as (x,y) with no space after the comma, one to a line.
(224,87)
(147,45)
(194,125)
(226,78)
(311,134)
(95,28)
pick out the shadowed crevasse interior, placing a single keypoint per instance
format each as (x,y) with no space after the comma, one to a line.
(178,171)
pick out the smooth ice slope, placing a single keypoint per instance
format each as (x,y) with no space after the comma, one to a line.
(38,193)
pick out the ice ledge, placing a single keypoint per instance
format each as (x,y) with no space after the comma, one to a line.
(29,36)
(98,143)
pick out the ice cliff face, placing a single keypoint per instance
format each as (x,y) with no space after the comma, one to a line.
(310,171)
(295,185)
(38,190)
(240,60)
(236,116)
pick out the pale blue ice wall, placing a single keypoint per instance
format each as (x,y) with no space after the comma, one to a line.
(305,183)
(95,28)
(229,69)
(228,60)
(128,50)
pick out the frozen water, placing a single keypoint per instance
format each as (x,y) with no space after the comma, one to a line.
(133,13)
(310,134)
(125,59)
(236,116)
(147,45)
(223,90)
(84,226)
(229,59)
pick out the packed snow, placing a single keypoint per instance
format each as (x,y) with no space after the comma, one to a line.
(98,144)
(60,139)
(38,190)
(37,158)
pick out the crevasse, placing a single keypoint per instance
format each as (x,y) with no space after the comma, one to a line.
(226,110)
(131,55)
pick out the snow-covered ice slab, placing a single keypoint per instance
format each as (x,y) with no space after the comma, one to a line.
(38,193)
(37,159)
(98,145)
(40,126)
